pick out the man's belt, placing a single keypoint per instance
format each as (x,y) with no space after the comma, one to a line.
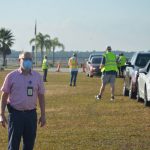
(11,109)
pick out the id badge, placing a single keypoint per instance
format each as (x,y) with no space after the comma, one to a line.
(29,91)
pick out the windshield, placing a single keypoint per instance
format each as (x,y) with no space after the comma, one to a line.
(142,60)
(96,60)
(91,56)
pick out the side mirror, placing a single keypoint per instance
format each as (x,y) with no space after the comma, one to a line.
(128,64)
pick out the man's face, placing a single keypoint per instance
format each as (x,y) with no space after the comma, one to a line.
(26,61)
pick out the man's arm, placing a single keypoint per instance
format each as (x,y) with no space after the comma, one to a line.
(3,104)
(42,119)
(69,62)
(102,63)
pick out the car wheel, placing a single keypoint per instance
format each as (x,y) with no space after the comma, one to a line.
(138,98)
(125,91)
(87,74)
(90,75)
(146,102)
(132,95)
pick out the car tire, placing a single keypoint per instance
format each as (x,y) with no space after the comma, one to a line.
(90,75)
(146,102)
(87,74)
(132,95)
(138,98)
(125,91)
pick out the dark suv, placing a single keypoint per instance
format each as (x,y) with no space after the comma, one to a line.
(138,60)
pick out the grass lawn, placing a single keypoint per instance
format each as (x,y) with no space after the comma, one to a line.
(76,121)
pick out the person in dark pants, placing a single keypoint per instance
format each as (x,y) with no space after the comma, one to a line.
(73,78)
(20,91)
(122,62)
(45,68)
(73,65)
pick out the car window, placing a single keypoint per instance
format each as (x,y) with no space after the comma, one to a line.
(91,56)
(133,58)
(142,60)
(96,60)
(148,68)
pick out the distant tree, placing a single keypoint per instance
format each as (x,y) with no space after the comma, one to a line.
(6,41)
(55,43)
(48,45)
(42,41)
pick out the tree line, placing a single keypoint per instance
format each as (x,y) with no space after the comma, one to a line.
(42,43)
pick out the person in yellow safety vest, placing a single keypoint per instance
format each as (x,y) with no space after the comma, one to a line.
(73,65)
(109,70)
(45,68)
(122,61)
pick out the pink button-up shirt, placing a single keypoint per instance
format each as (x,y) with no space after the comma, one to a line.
(16,85)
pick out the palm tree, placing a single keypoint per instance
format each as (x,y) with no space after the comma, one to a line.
(55,43)
(48,45)
(6,41)
(42,41)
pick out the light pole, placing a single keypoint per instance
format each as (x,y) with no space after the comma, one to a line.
(35,54)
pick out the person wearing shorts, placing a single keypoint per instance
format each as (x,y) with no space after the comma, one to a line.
(109,69)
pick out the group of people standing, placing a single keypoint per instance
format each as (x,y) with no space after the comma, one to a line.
(23,87)
(73,65)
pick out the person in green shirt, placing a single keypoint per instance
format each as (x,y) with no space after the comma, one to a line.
(122,61)
(45,68)
(109,69)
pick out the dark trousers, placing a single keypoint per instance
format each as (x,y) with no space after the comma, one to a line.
(73,77)
(44,74)
(21,124)
(121,70)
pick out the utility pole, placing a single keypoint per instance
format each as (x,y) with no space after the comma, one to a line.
(35,54)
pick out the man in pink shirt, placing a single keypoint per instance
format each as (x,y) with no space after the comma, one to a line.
(20,92)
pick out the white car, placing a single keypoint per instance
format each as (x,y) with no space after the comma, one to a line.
(143,90)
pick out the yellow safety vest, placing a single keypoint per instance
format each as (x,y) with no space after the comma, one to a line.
(44,64)
(122,61)
(110,62)
(73,63)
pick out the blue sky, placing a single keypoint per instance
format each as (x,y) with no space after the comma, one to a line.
(80,25)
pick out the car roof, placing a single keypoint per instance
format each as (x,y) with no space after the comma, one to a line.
(142,52)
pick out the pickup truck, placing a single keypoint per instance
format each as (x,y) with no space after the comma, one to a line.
(138,60)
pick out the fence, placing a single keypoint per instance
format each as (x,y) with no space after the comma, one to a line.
(63,61)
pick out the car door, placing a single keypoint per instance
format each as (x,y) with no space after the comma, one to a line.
(141,84)
(128,74)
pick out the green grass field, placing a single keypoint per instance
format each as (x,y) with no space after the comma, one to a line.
(76,121)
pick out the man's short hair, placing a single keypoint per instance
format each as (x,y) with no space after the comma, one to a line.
(23,54)
(109,48)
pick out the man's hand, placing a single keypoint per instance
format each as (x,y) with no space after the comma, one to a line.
(42,121)
(3,120)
